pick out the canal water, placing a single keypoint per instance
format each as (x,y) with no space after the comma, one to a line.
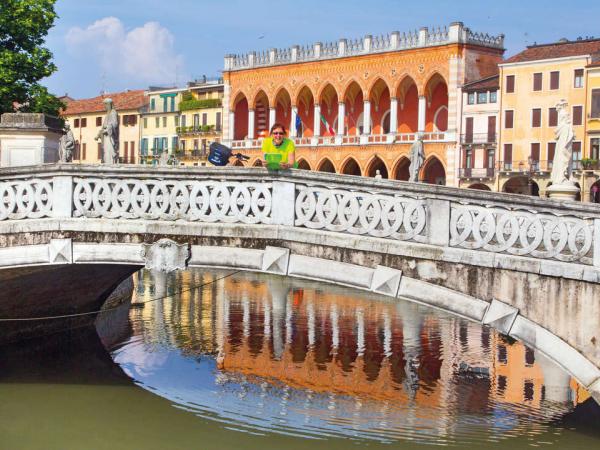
(208,359)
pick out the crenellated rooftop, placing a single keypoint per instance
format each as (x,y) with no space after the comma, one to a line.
(395,41)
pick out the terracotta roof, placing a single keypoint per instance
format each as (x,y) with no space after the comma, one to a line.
(121,100)
(487,83)
(556,50)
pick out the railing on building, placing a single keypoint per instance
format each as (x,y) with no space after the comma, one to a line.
(478,138)
(525,166)
(476,172)
(455,33)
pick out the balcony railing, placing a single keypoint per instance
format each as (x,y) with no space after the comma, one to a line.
(399,138)
(476,172)
(478,138)
(525,166)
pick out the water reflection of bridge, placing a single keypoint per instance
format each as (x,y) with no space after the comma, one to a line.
(331,342)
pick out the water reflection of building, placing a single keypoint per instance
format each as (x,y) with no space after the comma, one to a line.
(331,342)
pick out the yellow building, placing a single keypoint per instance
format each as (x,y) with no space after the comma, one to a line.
(160,121)
(85,118)
(531,84)
(201,120)
(593,130)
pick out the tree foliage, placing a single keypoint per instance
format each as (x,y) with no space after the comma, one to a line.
(24,61)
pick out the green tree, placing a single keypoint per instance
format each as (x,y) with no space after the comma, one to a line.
(24,61)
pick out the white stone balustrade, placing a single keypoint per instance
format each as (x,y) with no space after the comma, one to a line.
(469,221)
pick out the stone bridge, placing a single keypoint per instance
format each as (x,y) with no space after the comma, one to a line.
(69,234)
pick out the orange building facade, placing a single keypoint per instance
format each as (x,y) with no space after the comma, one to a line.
(388,89)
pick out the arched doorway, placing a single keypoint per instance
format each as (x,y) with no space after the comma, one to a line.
(376,165)
(353,99)
(329,110)
(379,97)
(479,187)
(521,185)
(433,172)
(283,108)
(408,106)
(238,163)
(302,164)
(595,192)
(326,166)
(305,102)
(261,114)
(401,171)
(351,167)
(240,117)
(436,92)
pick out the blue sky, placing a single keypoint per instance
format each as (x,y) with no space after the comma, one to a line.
(130,44)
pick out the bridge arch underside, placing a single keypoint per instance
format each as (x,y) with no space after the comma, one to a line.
(555,315)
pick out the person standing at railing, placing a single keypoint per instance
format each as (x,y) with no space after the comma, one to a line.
(277,143)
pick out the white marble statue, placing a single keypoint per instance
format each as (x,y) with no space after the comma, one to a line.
(417,158)
(109,134)
(66,145)
(561,166)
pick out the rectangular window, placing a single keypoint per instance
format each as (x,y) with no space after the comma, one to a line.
(204,119)
(554,80)
(145,122)
(174,142)
(491,157)
(164,145)
(595,109)
(196,120)
(471,98)
(535,155)
(578,78)
(502,354)
(157,122)
(482,97)
(176,121)
(537,81)
(507,156)
(218,122)
(125,120)
(551,151)
(144,149)
(528,390)
(595,148)
(529,356)
(510,84)
(125,150)
(98,121)
(578,115)
(164,122)
(508,119)
(156,144)
(84,149)
(552,117)
(183,120)
(132,152)
(493,96)
(468,130)
(491,131)
(195,144)
(76,123)
(172,104)
(133,119)
(468,158)
(83,123)
(165,104)
(182,145)
(536,117)
(152,104)
(99,150)
(576,151)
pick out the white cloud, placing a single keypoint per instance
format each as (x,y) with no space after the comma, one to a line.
(144,54)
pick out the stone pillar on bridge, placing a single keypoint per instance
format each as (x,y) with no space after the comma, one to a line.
(393,115)
(250,124)
(422,114)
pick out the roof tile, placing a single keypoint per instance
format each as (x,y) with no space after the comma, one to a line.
(556,50)
(121,100)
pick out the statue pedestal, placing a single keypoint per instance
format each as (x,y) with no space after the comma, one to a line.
(563,191)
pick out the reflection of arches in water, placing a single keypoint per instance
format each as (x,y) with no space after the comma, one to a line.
(479,187)
(521,185)
(326,166)
(375,165)
(401,171)
(351,167)
(303,164)
(595,192)
(433,172)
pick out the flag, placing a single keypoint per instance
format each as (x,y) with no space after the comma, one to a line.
(327,126)
(298,125)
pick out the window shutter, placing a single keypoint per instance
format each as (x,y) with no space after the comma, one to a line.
(536,118)
(469,130)
(84,150)
(491,133)
(554,80)
(551,150)
(507,153)
(98,121)
(537,81)
(577,115)
(510,84)
(535,151)
(552,117)
(508,119)
(99,150)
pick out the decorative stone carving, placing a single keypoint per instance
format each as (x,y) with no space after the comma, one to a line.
(203,201)
(521,233)
(60,251)
(66,145)
(27,199)
(386,281)
(166,255)
(500,316)
(275,260)
(562,185)
(361,213)
(109,134)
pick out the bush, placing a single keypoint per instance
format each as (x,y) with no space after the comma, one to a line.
(186,105)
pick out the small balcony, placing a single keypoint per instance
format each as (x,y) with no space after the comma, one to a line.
(199,130)
(478,138)
(525,166)
(476,172)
